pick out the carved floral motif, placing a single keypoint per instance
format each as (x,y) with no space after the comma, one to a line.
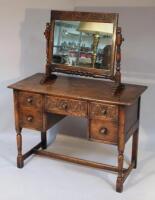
(98,110)
(66,106)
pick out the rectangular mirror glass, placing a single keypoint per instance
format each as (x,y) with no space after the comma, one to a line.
(83,44)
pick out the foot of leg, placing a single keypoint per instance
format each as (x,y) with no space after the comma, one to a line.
(44,140)
(119,185)
(20,161)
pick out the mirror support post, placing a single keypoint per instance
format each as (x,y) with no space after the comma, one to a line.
(49,31)
(119,40)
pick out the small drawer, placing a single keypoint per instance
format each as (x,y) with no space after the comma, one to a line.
(30,118)
(28,99)
(103,111)
(104,131)
(65,106)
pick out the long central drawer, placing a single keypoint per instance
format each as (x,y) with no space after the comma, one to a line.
(66,106)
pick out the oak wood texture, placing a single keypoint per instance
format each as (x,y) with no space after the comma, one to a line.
(103,111)
(80,88)
(103,131)
(30,118)
(112,119)
(66,107)
(30,100)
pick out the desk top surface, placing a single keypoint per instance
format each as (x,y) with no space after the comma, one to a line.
(80,88)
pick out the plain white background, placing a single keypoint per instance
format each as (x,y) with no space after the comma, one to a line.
(22,53)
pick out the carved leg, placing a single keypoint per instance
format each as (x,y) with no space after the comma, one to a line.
(119,183)
(135,148)
(20,161)
(121,146)
(43,140)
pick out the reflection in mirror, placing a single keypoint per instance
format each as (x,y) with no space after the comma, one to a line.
(84,44)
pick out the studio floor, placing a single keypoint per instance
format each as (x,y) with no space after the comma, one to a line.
(43,178)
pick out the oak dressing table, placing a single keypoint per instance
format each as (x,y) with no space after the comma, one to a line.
(112,108)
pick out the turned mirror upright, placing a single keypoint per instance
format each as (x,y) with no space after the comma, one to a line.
(83,43)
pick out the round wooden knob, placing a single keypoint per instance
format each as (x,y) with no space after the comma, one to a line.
(103,131)
(103,112)
(30,118)
(29,99)
(64,106)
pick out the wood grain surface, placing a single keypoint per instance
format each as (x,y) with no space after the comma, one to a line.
(80,88)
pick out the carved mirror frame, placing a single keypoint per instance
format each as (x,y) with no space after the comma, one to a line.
(113,73)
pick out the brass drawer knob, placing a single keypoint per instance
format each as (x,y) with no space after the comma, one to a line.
(29,99)
(103,112)
(104,131)
(29,118)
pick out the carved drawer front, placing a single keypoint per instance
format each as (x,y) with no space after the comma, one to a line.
(104,131)
(28,99)
(103,111)
(65,106)
(31,118)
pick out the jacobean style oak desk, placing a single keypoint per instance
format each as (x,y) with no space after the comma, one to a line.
(111,108)
(111,119)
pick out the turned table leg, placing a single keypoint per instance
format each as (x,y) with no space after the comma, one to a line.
(44,140)
(20,161)
(135,148)
(121,146)
(119,183)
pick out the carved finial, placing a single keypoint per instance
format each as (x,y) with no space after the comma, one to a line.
(119,40)
(47,31)
(47,36)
